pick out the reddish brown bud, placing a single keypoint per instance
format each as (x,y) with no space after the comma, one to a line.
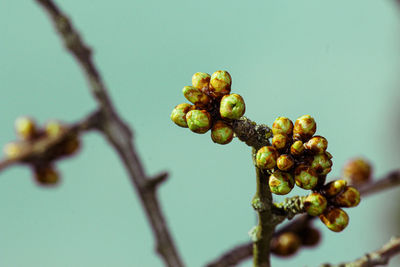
(281,183)
(46,175)
(321,164)
(357,171)
(335,219)
(282,125)
(350,197)
(297,148)
(201,80)
(335,187)
(285,162)
(315,204)
(286,244)
(280,141)
(316,144)
(304,128)
(266,157)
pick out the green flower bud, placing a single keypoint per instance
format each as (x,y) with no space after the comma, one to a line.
(350,197)
(201,80)
(304,128)
(198,121)
(317,144)
(178,115)
(46,175)
(335,187)
(309,236)
(221,133)
(321,164)
(266,157)
(305,177)
(280,141)
(220,83)
(54,129)
(315,204)
(286,244)
(25,128)
(297,148)
(335,219)
(281,183)
(357,171)
(196,96)
(232,107)
(285,162)
(282,125)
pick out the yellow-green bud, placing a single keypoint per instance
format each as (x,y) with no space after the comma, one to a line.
(266,157)
(46,175)
(285,162)
(350,197)
(281,183)
(335,187)
(304,128)
(13,150)
(196,96)
(198,121)
(321,164)
(54,128)
(221,133)
(315,204)
(316,144)
(232,107)
(305,177)
(178,115)
(297,148)
(25,128)
(282,125)
(335,219)
(201,80)
(286,244)
(280,141)
(357,171)
(220,83)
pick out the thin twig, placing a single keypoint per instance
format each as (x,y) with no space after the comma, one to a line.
(118,134)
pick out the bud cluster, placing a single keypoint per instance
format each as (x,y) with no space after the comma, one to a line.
(213,107)
(30,136)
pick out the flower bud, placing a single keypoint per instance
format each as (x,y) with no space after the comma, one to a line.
(285,162)
(201,80)
(305,177)
(266,157)
(196,96)
(285,244)
(220,83)
(46,175)
(178,115)
(335,187)
(316,144)
(297,148)
(25,128)
(221,133)
(335,219)
(321,164)
(329,155)
(281,183)
(232,107)
(350,197)
(357,171)
(309,236)
(280,141)
(13,150)
(282,125)
(198,121)
(71,145)
(304,128)
(54,128)
(315,204)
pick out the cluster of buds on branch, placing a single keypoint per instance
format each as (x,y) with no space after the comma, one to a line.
(32,138)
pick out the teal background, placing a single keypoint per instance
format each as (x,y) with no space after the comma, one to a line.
(336,60)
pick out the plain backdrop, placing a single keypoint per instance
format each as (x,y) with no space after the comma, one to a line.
(336,60)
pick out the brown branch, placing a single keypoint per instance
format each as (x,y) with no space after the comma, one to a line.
(118,134)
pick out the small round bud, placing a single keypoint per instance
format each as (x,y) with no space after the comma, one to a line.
(280,141)
(285,162)
(71,145)
(232,107)
(46,175)
(309,236)
(335,187)
(198,121)
(297,148)
(220,83)
(25,128)
(316,144)
(281,183)
(335,219)
(221,133)
(315,204)
(201,80)
(266,157)
(12,150)
(304,128)
(196,96)
(178,115)
(350,197)
(357,171)
(54,128)
(305,177)
(282,125)
(286,244)
(321,164)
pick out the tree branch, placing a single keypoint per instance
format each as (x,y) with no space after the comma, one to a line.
(253,134)
(117,133)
